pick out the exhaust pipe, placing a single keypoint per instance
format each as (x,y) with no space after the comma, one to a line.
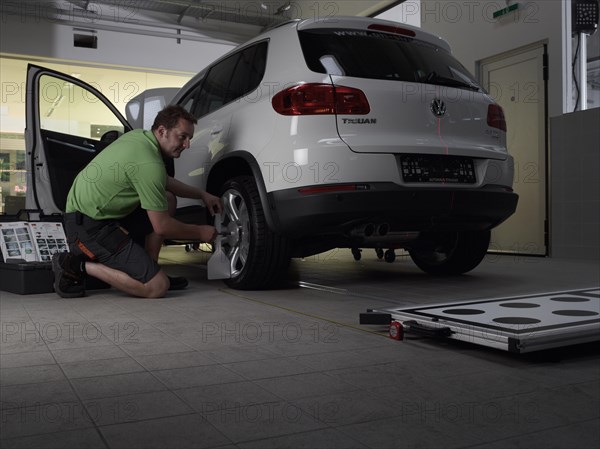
(373,235)
(383,229)
(371,230)
(366,230)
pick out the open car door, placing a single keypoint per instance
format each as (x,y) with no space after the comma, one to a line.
(68,122)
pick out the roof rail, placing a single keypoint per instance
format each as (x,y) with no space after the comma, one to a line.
(280,24)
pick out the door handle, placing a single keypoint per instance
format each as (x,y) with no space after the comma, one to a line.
(85,143)
(216,130)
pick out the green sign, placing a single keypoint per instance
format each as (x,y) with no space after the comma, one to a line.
(504,11)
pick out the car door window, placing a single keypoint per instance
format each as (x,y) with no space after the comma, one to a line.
(248,72)
(69,109)
(214,92)
(191,99)
(230,79)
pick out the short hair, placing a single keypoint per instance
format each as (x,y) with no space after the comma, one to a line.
(169,117)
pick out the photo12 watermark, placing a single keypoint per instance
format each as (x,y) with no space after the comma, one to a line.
(254,332)
(67,332)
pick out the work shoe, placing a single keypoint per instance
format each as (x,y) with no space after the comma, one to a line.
(177,283)
(69,276)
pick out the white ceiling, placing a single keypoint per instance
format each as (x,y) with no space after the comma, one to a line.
(229,20)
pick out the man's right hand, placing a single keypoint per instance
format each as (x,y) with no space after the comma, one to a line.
(208,233)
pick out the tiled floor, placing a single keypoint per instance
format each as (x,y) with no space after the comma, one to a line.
(212,367)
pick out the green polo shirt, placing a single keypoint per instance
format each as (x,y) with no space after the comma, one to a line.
(128,173)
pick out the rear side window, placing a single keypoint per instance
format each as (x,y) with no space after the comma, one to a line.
(377,55)
(230,79)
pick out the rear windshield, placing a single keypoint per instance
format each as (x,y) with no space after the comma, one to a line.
(377,55)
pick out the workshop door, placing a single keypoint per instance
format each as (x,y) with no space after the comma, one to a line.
(517,81)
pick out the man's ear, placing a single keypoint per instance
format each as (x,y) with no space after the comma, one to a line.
(162,131)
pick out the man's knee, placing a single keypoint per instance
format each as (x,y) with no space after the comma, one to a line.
(158,286)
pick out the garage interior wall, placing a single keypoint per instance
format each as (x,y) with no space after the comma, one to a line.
(475,35)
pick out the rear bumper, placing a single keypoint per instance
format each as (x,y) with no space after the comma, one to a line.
(297,215)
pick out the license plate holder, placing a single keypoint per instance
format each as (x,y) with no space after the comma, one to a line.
(430,168)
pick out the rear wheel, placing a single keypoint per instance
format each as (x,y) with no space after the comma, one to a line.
(258,256)
(451,252)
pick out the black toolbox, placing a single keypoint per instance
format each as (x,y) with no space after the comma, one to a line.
(26,278)
(31,277)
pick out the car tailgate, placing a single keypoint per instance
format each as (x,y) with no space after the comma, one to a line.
(420,118)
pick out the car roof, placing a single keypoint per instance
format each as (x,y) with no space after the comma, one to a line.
(363,23)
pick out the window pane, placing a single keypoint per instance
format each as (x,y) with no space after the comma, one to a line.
(69,109)
(377,55)
(215,89)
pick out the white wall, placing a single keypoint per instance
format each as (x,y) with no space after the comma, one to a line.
(473,34)
(408,12)
(30,35)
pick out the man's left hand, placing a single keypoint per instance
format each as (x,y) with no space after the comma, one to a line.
(213,203)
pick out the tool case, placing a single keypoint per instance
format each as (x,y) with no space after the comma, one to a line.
(22,270)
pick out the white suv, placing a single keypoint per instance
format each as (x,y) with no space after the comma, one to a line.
(347,132)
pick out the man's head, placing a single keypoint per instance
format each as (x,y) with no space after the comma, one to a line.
(173,128)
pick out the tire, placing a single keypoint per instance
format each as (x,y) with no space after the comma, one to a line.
(451,253)
(390,256)
(258,256)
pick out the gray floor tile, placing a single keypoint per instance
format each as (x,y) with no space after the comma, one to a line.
(136,407)
(10,344)
(237,353)
(43,418)
(104,367)
(167,346)
(345,408)
(211,398)
(33,394)
(382,374)
(91,340)
(141,333)
(196,376)
(19,359)
(317,439)
(30,374)
(87,354)
(583,435)
(180,432)
(398,434)
(117,385)
(262,369)
(533,412)
(173,361)
(304,385)
(260,421)
(73,439)
(338,360)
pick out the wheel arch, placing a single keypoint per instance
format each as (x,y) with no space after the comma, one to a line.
(241,163)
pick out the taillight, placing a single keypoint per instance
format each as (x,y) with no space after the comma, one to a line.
(495,117)
(313,99)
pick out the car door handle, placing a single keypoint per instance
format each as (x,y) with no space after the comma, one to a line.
(216,130)
(85,143)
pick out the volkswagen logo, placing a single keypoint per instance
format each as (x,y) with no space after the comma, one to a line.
(438,107)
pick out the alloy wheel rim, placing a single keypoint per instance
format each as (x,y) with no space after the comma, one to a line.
(236,221)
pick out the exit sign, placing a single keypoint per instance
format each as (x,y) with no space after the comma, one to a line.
(504,11)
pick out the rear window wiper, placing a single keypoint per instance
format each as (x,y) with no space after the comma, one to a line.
(434,78)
